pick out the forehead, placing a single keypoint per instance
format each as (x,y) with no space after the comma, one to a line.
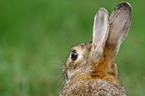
(82,46)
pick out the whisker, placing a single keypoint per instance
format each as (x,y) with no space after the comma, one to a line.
(70,37)
(59,87)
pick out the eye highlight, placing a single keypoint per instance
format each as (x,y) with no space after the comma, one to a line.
(74,55)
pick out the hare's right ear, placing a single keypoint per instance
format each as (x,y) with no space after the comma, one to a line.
(120,21)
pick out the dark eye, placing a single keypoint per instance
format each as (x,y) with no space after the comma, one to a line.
(74,55)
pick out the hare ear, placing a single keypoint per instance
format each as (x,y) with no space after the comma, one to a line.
(100,33)
(120,21)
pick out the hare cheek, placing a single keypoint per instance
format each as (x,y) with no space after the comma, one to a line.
(80,61)
(69,73)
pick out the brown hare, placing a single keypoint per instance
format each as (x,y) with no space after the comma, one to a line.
(91,69)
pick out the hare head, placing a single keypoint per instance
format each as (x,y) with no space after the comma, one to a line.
(96,59)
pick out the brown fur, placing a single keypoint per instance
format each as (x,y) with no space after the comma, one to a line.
(105,69)
(94,72)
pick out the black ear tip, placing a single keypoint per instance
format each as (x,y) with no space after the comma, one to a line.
(124,5)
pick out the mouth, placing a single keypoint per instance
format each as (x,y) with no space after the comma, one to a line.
(65,73)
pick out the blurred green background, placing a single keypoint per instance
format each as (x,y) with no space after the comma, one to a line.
(36,37)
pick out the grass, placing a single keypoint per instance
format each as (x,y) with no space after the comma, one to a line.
(36,37)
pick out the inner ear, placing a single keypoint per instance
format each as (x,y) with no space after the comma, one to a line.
(100,33)
(101,27)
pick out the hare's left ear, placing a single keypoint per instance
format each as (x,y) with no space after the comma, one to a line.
(100,33)
(120,21)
